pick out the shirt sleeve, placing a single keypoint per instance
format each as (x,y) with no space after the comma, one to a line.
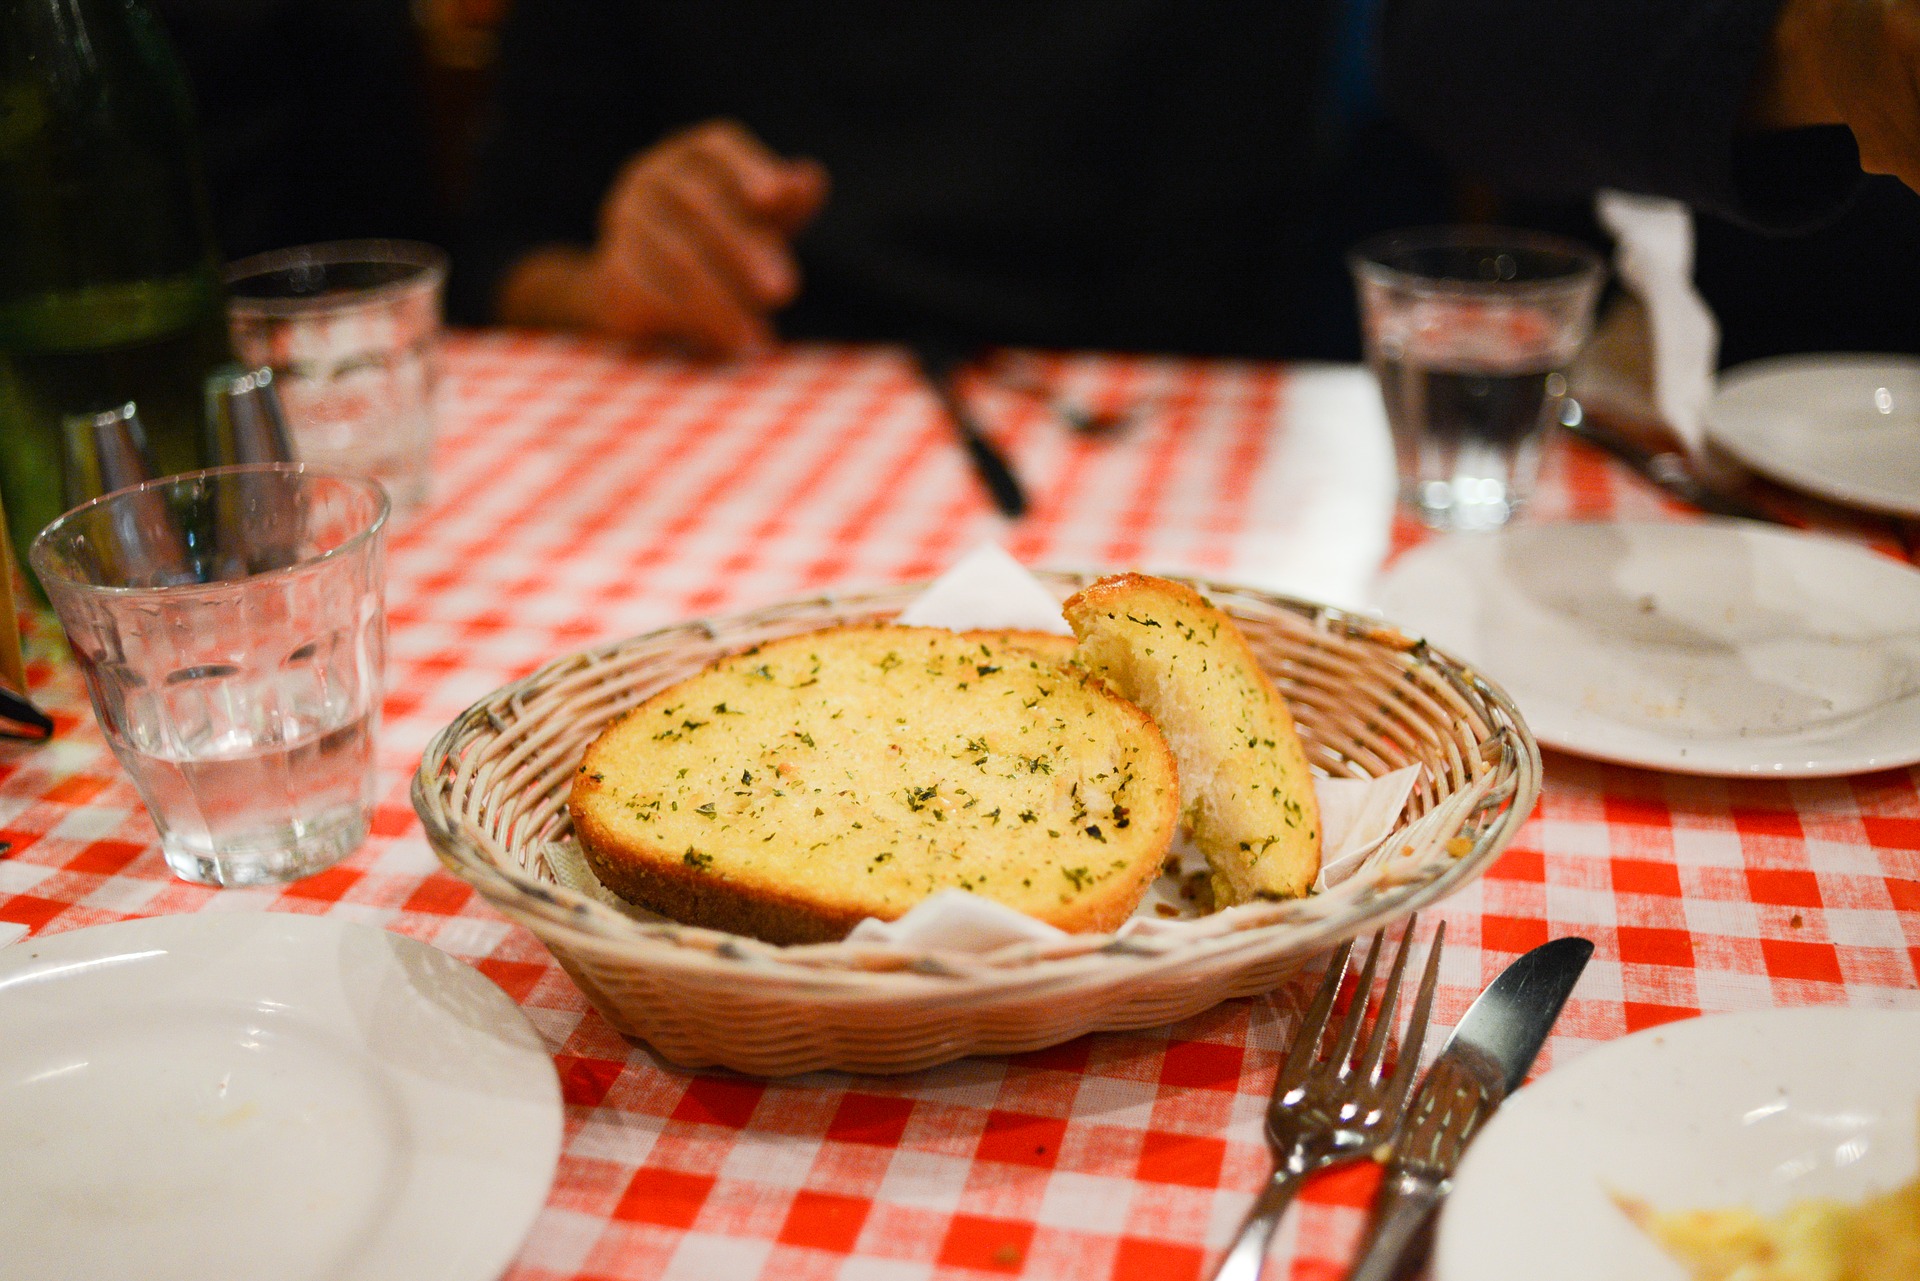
(1557,98)
(569,106)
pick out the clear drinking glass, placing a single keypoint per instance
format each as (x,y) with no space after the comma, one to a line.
(1470,331)
(230,626)
(351,330)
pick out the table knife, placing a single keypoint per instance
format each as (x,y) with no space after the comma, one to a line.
(1485,1059)
(938,365)
(1668,470)
(19,718)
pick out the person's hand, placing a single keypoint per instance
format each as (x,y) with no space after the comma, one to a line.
(1850,62)
(694,239)
(694,247)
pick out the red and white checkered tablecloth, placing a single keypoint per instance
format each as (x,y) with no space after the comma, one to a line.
(581,494)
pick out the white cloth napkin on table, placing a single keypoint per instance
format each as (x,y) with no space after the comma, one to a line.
(1653,257)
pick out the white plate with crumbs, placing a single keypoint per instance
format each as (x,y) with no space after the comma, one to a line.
(1842,427)
(1765,1110)
(1708,647)
(267,1096)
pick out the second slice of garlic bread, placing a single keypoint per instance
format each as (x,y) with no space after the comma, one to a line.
(1246,790)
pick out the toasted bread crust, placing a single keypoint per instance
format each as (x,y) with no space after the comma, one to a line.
(789,791)
(681,893)
(1246,786)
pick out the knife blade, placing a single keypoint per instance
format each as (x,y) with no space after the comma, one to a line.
(1485,1060)
(1668,470)
(938,365)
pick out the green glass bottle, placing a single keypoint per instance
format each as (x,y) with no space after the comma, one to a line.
(110,281)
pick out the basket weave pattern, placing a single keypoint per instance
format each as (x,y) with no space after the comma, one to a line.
(492,790)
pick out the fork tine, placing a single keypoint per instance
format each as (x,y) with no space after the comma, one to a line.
(1357,1008)
(1402,1078)
(1370,1059)
(1306,1038)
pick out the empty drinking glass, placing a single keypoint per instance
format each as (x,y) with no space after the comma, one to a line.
(230,626)
(1470,331)
(351,330)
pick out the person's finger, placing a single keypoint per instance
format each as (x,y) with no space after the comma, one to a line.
(656,286)
(701,306)
(676,282)
(623,208)
(630,305)
(748,171)
(692,257)
(709,259)
(785,193)
(752,256)
(805,191)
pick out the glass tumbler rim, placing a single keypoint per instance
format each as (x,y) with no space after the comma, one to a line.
(428,262)
(43,560)
(1584,267)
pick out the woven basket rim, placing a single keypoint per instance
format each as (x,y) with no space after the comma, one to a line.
(860,972)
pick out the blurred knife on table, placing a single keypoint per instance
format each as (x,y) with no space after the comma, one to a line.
(1665,467)
(939,365)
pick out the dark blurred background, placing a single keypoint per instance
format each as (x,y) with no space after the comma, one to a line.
(334,119)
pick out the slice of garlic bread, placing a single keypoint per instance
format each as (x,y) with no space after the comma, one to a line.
(791,790)
(1051,646)
(1246,791)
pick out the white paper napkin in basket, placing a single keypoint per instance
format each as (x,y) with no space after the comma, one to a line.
(988,589)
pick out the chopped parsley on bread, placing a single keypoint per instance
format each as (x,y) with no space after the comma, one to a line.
(791,790)
(1246,789)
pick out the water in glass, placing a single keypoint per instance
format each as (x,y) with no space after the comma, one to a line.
(230,628)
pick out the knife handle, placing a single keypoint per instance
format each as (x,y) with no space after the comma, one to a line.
(19,718)
(1397,1236)
(938,366)
(994,472)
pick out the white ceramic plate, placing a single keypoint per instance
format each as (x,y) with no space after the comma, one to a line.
(1709,647)
(1759,1109)
(264,1096)
(1842,427)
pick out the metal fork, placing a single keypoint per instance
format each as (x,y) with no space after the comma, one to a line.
(1335,1107)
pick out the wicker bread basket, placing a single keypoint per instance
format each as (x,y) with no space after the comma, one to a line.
(492,790)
